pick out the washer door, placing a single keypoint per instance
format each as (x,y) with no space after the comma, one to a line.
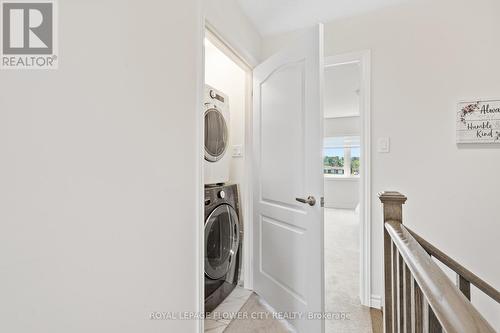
(216,135)
(221,241)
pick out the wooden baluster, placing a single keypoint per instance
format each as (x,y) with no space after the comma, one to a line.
(417,306)
(393,211)
(401,310)
(407,299)
(434,325)
(425,315)
(394,289)
(387,310)
(464,286)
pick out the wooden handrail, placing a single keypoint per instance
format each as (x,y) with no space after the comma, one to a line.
(453,311)
(457,268)
(419,297)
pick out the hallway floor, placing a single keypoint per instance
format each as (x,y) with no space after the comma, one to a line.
(221,317)
(341,287)
(342,273)
(239,307)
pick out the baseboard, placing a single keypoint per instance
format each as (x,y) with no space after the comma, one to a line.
(376,301)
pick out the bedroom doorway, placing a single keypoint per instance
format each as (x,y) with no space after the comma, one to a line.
(346,185)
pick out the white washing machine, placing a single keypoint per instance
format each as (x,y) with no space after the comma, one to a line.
(217,157)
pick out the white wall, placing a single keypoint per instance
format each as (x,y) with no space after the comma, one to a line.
(427,55)
(272,44)
(341,192)
(344,126)
(98,173)
(235,28)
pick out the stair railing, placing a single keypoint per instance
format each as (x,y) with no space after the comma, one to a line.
(419,297)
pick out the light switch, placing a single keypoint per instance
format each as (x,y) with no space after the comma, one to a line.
(383,145)
(237,151)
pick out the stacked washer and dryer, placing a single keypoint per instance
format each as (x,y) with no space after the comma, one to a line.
(223,227)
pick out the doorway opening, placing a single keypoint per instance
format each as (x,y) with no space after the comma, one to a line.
(225,134)
(284,177)
(346,166)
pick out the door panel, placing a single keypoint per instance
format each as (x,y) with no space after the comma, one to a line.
(282,97)
(280,263)
(288,139)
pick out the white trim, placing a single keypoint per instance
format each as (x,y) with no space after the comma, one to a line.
(237,51)
(248,190)
(215,38)
(347,161)
(376,302)
(343,116)
(200,181)
(366,172)
(331,177)
(364,59)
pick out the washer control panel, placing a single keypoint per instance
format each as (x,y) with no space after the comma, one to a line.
(217,195)
(216,96)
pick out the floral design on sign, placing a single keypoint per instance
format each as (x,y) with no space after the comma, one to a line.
(470,108)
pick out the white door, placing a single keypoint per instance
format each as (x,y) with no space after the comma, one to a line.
(288,140)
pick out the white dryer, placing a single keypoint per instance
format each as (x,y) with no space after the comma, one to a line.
(217,157)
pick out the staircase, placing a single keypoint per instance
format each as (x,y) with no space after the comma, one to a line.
(419,297)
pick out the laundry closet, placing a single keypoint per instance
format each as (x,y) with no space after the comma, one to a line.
(263,159)
(224,110)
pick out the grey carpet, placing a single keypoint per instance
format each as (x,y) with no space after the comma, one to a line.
(342,273)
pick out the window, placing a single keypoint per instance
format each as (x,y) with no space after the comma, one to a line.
(355,152)
(341,156)
(333,160)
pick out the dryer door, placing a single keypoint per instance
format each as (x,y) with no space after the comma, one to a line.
(221,241)
(216,135)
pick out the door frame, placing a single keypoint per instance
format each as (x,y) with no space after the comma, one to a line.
(210,32)
(364,59)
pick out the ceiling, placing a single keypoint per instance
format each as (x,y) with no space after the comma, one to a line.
(342,84)
(277,16)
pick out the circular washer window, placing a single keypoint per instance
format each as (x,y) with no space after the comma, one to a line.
(221,241)
(216,136)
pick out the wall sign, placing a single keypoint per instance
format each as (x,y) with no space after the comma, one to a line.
(478,122)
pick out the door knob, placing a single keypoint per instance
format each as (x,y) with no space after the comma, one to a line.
(310,200)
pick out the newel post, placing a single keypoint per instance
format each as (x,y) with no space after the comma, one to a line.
(393,205)
(393,211)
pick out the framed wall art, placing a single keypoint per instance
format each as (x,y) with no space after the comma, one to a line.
(478,121)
